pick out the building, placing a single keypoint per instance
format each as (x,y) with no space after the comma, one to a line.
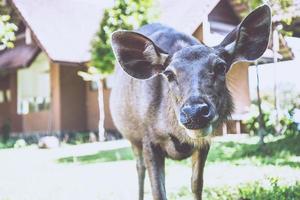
(41,91)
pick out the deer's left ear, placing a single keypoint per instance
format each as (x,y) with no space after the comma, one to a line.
(249,40)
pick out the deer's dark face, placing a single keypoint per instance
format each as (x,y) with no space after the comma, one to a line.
(195,74)
(197,80)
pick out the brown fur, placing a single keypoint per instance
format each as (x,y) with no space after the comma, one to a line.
(161,73)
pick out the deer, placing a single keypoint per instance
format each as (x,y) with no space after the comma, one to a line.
(170,93)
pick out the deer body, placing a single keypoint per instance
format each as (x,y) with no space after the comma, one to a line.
(170,93)
(142,108)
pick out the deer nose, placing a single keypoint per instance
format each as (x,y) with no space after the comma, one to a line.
(195,116)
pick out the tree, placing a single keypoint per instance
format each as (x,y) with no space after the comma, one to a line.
(7,32)
(7,28)
(125,14)
(278,6)
(281,10)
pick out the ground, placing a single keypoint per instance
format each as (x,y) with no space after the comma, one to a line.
(80,172)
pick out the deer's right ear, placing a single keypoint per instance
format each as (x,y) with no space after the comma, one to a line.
(137,54)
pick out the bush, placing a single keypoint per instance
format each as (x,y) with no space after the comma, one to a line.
(8,144)
(275,191)
(285,118)
(5,131)
(20,143)
(78,138)
(256,191)
(250,191)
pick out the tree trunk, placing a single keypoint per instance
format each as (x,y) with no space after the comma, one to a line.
(261,129)
(101,135)
(275,60)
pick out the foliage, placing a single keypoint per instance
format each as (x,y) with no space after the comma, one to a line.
(7,9)
(20,143)
(78,138)
(280,8)
(8,144)
(7,32)
(5,131)
(276,5)
(286,125)
(272,190)
(8,21)
(125,14)
(284,151)
(8,141)
(256,191)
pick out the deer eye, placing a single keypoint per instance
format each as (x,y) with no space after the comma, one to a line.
(169,75)
(220,69)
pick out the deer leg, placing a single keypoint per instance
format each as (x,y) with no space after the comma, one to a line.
(198,162)
(155,164)
(140,166)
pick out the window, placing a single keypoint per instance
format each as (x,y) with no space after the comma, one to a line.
(2,98)
(34,86)
(8,95)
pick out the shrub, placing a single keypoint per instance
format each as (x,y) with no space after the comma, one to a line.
(275,191)
(78,138)
(5,131)
(20,143)
(256,191)
(285,122)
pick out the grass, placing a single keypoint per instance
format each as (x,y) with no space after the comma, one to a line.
(281,152)
(103,156)
(237,169)
(249,191)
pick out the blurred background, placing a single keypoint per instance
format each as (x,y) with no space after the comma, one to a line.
(57,138)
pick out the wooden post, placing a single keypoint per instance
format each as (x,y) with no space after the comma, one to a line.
(101,129)
(224,129)
(238,127)
(28,37)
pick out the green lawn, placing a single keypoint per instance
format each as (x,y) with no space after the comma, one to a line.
(278,152)
(103,156)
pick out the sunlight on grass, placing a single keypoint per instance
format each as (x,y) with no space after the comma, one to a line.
(281,152)
(278,152)
(271,190)
(103,156)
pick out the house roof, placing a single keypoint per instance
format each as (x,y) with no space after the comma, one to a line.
(185,15)
(64,28)
(20,56)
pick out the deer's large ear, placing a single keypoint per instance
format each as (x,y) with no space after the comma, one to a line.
(249,40)
(137,54)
